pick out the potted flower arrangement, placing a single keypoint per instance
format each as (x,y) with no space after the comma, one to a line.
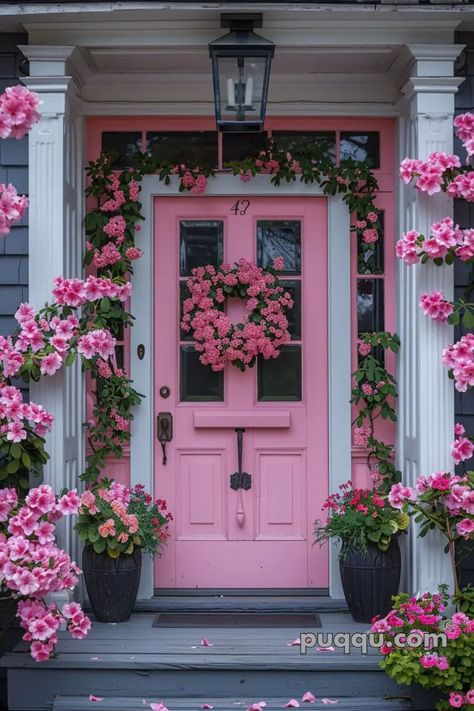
(441,677)
(367,525)
(116,523)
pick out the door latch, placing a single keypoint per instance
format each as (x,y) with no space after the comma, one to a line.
(164,431)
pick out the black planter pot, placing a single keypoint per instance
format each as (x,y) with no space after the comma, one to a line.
(369,581)
(465,563)
(112,583)
(423,699)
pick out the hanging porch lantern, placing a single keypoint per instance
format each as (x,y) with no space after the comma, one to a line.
(241,63)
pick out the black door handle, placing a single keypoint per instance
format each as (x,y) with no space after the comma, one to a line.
(164,431)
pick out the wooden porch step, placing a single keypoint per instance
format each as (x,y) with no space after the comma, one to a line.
(136,658)
(125,703)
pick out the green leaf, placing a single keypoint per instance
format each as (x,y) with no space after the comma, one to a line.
(26,459)
(16,450)
(99,546)
(374,535)
(13,466)
(468,319)
(70,358)
(93,533)
(389,528)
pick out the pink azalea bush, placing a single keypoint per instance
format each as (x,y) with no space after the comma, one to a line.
(408,635)
(443,501)
(218,340)
(12,207)
(32,566)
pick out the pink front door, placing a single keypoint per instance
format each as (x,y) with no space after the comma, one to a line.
(262,536)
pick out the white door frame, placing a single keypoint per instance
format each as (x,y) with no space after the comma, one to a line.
(339,335)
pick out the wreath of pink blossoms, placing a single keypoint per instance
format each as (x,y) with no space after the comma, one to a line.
(218,340)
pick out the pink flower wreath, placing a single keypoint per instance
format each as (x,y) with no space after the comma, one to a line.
(218,339)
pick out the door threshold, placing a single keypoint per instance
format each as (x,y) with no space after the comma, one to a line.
(241,592)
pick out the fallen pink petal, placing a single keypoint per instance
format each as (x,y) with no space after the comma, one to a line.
(158,707)
(206,643)
(330,701)
(93,697)
(258,706)
(207,706)
(308,697)
(296,643)
(292,704)
(325,649)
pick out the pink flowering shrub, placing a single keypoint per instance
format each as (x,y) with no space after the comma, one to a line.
(113,519)
(443,501)
(414,654)
(218,340)
(32,566)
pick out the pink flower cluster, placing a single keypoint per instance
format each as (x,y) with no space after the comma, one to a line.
(464,127)
(436,306)
(366,227)
(18,111)
(99,342)
(17,416)
(12,207)
(453,493)
(75,292)
(428,175)
(462,448)
(446,240)
(432,660)
(219,340)
(32,566)
(458,700)
(191,179)
(360,436)
(459,358)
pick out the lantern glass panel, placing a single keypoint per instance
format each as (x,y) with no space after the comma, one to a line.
(241,87)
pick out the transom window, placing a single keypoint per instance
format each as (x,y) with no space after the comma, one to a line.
(214,150)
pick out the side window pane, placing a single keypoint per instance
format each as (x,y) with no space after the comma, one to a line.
(237,146)
(324,142)
(201,243)
(124,144)
(280,378)
(362,147)
(370,257)
(198,382)
(279,238)
(370,305)
(192,148)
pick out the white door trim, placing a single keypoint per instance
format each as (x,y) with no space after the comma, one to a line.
(339,335)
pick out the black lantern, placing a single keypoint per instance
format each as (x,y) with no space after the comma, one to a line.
(241,63)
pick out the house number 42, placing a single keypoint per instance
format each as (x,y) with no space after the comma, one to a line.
(240,207)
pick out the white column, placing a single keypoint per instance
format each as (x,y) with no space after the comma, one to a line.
(426,406)
(55,248)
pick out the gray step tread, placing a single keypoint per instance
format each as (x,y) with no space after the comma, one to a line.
(264,662)
(122,703)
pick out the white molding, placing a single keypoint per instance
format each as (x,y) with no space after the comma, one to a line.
(339,335)
(56,188)
(426,403)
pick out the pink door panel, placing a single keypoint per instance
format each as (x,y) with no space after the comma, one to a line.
(260,537)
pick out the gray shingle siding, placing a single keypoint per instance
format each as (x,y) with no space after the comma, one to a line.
(13,169)
(464,212)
